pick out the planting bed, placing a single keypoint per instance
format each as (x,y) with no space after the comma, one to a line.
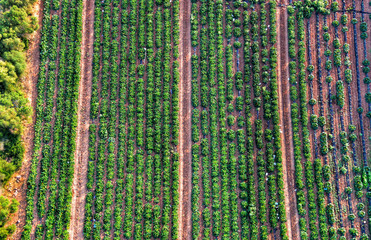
(329,117)
(51,175)
(237,177)
(132,176)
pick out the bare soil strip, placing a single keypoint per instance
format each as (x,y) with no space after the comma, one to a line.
(82,141)
(285,122)
(185,167)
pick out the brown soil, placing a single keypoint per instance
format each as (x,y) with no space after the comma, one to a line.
(185,167)
(82,141)
(17,186)
(285,122)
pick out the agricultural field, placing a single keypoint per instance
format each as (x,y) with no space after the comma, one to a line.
(186,119)
(329,99)
(237,175)
(132,176)
(52,165)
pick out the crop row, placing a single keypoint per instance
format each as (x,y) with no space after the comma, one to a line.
(314,184)
(343,161)
(336,143)
(49,197)
(296,34)
(223,158)
(359,186)
(350,139)
(366,69)
(133,172)
(305,176)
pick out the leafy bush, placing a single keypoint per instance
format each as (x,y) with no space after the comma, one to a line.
(6,209)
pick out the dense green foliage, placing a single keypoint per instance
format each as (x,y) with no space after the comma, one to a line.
(6,209)
(236,155)
(16,24)
(133,162)
(49,184)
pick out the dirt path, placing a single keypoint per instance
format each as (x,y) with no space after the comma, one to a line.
(82,141)
(285,122)
(185,167)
